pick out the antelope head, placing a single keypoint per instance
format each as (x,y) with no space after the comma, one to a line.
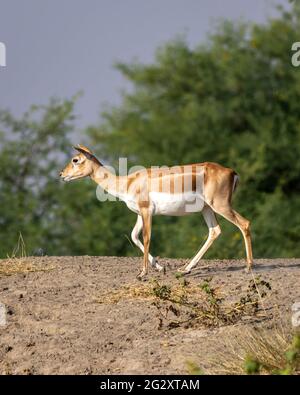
(82,165)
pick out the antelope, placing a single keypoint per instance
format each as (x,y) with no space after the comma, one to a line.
(179,190)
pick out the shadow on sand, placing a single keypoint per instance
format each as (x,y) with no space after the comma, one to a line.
(259,267)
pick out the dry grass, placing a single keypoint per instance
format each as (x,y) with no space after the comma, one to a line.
(267,348)
(147,292)
(11,266)
(18,262)
(19,250)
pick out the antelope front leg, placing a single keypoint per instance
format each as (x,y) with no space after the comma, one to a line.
(135,238)
(147,219)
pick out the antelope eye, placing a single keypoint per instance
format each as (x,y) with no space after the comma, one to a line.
(75,160)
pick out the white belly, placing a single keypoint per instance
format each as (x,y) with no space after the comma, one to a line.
(176,204)
(169,204)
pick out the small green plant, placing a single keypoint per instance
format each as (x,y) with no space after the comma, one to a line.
(162,291)
(210,292)
(201,304)
(193,368)
(251,365)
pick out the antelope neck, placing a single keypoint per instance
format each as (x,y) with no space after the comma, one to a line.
(115,185)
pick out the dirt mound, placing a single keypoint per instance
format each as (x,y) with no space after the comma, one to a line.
(90,315)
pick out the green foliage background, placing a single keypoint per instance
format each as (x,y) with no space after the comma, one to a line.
(234,100)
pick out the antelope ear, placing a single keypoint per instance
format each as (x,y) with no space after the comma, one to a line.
(83,149)
(88,153)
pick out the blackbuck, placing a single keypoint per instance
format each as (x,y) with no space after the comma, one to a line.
(179,190)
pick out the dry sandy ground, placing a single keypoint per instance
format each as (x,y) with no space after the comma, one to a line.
(55,325)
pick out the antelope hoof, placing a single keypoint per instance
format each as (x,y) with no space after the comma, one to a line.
(157,266)
(141,275)
(248,268)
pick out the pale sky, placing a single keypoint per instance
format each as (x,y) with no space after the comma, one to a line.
(59,47)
